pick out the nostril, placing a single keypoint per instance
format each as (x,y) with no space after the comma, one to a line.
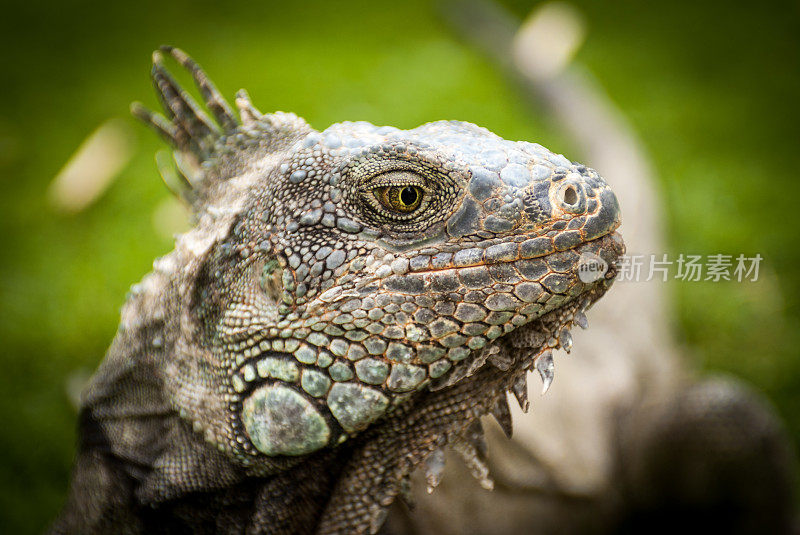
(570,196)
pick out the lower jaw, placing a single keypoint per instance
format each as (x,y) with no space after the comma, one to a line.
(530,346)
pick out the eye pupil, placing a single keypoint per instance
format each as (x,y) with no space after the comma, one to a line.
(408,196)
(402,199)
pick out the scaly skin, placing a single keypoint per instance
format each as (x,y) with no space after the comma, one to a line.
(348,302)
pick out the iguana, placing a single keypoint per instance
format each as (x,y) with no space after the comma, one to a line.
(348,303)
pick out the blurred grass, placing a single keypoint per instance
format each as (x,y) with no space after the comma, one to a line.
(712,91)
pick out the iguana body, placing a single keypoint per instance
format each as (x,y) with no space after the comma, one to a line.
(349,302)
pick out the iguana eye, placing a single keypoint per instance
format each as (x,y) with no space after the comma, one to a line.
(403,199)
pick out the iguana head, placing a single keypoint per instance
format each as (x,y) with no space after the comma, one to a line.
(336,274)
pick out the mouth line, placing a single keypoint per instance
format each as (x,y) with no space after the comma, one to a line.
(503,253)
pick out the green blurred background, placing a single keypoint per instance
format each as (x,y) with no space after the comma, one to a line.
(712,89)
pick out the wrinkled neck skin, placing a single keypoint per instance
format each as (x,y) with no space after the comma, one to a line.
(309,314)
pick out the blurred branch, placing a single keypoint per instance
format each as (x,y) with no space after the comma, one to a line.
(92,168)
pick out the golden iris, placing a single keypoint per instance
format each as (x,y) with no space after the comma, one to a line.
(402,199)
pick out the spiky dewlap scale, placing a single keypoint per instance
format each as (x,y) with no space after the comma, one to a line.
(349,302)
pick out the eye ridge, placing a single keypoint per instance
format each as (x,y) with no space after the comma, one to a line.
(400,198)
